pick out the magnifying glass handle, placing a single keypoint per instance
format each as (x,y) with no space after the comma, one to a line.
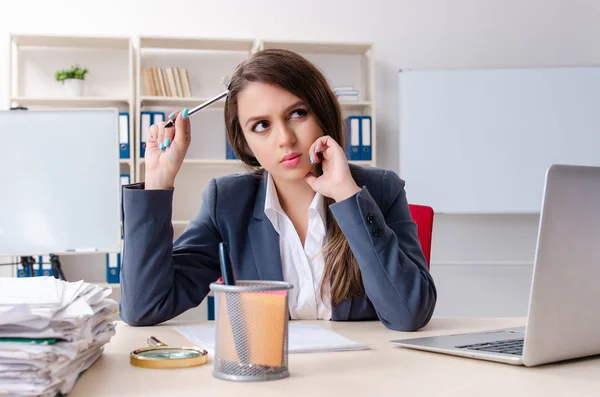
(152,341)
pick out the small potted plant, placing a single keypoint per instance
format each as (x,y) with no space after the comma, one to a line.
(73,79)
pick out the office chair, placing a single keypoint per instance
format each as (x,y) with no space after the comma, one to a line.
(423,216)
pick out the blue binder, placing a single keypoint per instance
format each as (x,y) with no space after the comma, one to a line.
(124,151)
(365,138)
(45,268)
(29,271)
(145,123)
(158,117)
(37,268)
(113,268)
(125,179)
(353,149)
(20,270)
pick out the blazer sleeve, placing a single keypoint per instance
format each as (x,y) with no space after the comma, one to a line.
(161,279)
(385,244)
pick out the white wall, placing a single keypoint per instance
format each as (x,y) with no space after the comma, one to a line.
(479,262)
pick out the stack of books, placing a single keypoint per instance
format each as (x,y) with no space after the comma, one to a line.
(346,93)
(51,331)
(166,82)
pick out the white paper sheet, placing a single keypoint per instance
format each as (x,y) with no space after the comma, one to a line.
(303,338)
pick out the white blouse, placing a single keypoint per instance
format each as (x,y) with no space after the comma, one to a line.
(302,266)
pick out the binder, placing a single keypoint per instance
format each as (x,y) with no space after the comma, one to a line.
(353,147)
(26,271)
(20,270)
(113,267)
(125,179)
(124,151)
(158,117)
(145,123)
(37,267)
(365,140)
(45,267)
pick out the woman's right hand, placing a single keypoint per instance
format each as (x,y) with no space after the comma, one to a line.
(165,151)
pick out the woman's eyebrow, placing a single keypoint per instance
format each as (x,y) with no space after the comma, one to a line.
(256,118)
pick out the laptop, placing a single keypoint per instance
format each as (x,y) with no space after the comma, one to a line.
(563,320)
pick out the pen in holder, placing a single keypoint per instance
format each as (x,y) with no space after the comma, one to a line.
(251,342)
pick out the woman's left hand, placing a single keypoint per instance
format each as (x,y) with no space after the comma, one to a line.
(336,181)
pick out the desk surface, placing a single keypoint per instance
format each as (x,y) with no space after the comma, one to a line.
(383,370)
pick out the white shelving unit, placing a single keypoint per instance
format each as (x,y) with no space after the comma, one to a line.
(33,61)
(207,61)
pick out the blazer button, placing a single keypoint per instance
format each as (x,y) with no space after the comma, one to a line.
(370,218)
(376,231)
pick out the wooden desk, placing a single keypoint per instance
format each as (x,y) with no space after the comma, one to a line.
(385,370)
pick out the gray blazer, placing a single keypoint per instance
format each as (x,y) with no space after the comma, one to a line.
(161,279)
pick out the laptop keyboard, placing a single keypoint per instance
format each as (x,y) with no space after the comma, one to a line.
(509,346)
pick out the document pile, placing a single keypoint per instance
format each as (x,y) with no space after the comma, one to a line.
(50,332)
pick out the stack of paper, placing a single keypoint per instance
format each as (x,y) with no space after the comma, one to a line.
(302,338)
(50,332)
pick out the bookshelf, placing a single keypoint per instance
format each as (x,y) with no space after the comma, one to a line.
(206,61)
(34,59)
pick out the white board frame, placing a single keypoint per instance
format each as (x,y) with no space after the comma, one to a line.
(60,180)
(450,120)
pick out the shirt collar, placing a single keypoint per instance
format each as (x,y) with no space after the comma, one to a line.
(273,207)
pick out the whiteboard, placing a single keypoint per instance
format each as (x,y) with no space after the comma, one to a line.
(481,141)
(60,181)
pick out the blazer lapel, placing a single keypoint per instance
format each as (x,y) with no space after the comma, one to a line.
(264,238)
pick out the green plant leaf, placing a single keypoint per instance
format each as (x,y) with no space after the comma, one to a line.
(74,72)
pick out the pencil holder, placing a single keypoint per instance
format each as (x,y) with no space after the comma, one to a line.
(251,341)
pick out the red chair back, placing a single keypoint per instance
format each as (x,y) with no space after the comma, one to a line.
(423,216)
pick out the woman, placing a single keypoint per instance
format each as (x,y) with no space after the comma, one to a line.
(341,234)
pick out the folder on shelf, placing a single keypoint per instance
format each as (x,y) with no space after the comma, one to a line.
(113,267)
(158,117)
(365,140)
(353,147)
(125,179)
(28,271)
(37,267)
(45,268)
(145,123)
(20,270)
(124,151)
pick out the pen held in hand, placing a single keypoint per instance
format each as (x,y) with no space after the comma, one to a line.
(206,104)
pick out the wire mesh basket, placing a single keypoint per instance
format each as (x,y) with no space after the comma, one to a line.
(251,341)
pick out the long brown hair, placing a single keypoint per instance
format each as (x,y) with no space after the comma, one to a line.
(294,73)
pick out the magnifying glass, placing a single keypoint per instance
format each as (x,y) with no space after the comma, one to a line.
(160,355)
